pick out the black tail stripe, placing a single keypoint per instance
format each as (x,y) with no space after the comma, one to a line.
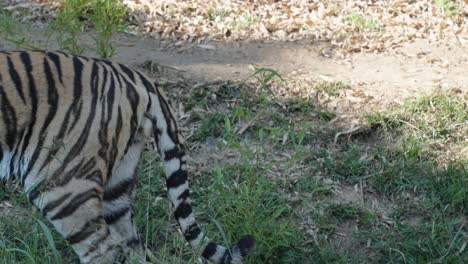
(183,211)
(170,121)
(176,179)
(133,242)
(209,251)
(173,153)
(116,215)
(185,195)
(192,232)
(77,201)
(226,257)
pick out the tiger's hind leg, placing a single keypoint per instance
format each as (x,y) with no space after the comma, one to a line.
(118,211)
(73,203)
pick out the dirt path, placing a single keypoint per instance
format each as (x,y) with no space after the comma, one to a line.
(417,67)
(414,68)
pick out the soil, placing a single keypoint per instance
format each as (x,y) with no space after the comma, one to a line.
(414,68)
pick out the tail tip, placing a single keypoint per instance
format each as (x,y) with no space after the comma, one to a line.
(245,245)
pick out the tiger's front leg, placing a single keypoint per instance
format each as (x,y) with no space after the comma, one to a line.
(74,205)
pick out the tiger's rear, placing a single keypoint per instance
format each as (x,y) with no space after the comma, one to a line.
(71,133)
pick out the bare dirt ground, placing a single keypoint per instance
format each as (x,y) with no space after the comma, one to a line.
(415,68)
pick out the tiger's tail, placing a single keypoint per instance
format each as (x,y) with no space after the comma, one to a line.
(170,146)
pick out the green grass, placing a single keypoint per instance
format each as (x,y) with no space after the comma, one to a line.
(13,31)
(450,7)
(361,23)
(106,16)
(289,184)
(217,14)
(332,88)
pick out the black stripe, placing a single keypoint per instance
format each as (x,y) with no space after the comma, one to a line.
(52,205)
(128,72)
(56,60)
(106,114)
(66,177)
(16,79)
(95,245)
(173,153)
(176,179)
(185,195)
(117,191)
(80,170)
(9,118)
(192,232)
(209,251)
(134,100)
(226,257)
(116,215)
(95,176)
(183,211)
(115,73)
(77,90)
(52,98)
(75,203)
(80,143)
(33,193)
(87,230)
(26,60)
(170,121)
(14,159)
(133,242)
(148,85)
(94,83)
(76,113)
(114,147)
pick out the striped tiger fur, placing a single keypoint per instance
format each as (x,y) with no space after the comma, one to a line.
(71,133)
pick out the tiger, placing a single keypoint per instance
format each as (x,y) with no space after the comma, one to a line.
(72,130)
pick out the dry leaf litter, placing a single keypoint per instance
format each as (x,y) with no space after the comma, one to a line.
(350,25)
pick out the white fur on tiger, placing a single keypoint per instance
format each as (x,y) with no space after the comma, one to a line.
(71,134)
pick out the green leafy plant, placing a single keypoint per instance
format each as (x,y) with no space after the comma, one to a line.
(107,17)
(449,7)
(361,23)
(13,31)
(265,76)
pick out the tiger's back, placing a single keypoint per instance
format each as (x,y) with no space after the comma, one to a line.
(71,133)
(55,98)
